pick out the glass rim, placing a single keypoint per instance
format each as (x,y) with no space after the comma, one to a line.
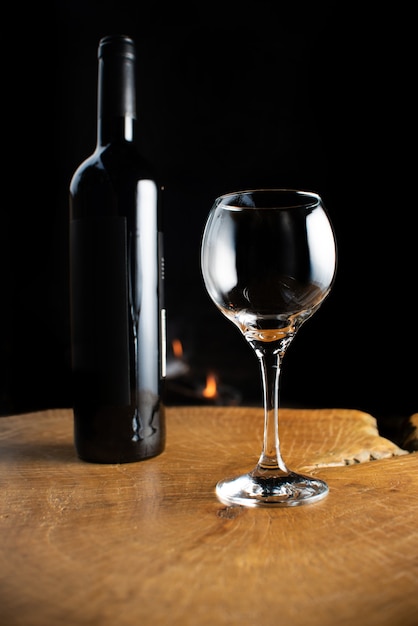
(301,198)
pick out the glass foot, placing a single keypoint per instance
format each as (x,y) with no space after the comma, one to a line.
(274,490)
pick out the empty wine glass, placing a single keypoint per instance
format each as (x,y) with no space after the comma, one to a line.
(268,261)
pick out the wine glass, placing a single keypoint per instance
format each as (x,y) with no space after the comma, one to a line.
(268,260)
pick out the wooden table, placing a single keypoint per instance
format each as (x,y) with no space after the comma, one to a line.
(149,544)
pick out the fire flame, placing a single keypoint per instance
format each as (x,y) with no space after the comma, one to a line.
(177,348)
(211,389)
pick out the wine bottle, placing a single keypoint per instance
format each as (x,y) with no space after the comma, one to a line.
(116,279)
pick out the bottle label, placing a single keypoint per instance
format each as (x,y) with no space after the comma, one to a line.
(99,295)
(163,323)
(163,314)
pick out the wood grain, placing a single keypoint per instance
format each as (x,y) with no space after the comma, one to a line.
(148,543)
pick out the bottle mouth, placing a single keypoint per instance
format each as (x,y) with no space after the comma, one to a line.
(117,44)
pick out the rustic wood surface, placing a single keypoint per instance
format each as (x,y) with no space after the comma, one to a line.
(148,543)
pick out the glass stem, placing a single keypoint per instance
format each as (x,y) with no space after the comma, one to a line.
(270,460)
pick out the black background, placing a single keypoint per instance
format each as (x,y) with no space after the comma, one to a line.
(231,95)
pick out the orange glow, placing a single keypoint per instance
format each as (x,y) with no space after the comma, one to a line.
(177,348)
(211,389)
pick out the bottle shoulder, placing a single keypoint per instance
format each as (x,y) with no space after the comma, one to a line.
(106,183)
(116,165)
(90,167)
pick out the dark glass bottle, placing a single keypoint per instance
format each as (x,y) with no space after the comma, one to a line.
(116,276)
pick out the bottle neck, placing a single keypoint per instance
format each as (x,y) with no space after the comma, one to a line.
(115,130)
(116,98)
